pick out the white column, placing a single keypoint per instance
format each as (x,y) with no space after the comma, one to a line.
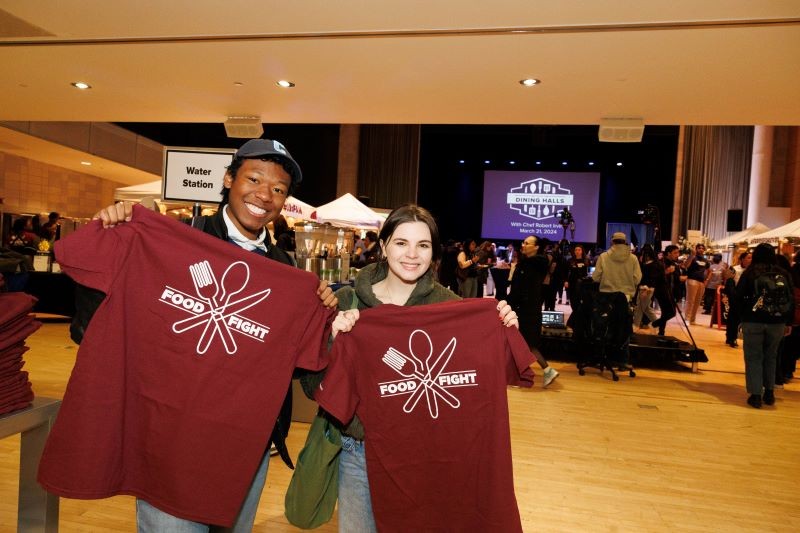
(758,209)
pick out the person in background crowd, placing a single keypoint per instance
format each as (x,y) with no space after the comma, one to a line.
(260,177)
(653,280)
(744,261)
(284,236)
(729,300)
(358,249)
(762,330)
(554,277)
(564,253)
(468,261)
(51,230)
(713,280)
(578,269)
(403,277)
(372,252)
(663,291)
(22,239)
(487,258)
(526,295)
(696,266)
(617,270)
(448,266)
(792,349)
(782,362)
(510,253)
(732,326)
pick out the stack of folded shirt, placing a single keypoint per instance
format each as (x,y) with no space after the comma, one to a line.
(16,325)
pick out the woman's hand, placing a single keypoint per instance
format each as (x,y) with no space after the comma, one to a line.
(326,295)
(115,214)
(507,315)
(344,322)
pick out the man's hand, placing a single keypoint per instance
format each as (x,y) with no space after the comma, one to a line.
(344,321)
(326,295)
(115,214)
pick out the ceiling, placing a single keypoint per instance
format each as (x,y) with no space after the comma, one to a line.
(720,62)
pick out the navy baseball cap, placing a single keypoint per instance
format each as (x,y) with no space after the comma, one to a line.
(257,148)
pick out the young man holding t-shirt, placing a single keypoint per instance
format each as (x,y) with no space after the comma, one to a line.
(260,178)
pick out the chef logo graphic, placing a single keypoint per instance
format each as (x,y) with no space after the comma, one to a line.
(539,198)
(217,306)
(423,373)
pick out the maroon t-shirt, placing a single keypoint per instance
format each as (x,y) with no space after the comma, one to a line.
(439,460)
(167,401)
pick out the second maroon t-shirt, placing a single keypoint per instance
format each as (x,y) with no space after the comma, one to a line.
(429,384)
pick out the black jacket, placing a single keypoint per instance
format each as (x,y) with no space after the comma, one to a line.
(526,296)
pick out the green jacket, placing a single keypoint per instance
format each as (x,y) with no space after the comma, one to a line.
(427,291)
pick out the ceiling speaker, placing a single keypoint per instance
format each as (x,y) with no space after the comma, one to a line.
(621,130)
(244,127)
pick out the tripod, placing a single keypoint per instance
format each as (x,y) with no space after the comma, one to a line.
(679,313)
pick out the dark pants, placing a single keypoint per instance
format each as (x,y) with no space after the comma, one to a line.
(667,306)
(530,326)
(549,294)
(732,327)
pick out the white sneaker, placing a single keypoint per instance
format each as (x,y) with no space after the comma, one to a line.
(550,374)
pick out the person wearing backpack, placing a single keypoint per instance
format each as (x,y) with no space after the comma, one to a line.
(765,298)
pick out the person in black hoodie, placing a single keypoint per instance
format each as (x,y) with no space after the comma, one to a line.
(766,319)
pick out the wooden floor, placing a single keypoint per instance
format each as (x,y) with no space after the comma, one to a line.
(669,450)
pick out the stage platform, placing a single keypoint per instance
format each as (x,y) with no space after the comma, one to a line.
(644,350)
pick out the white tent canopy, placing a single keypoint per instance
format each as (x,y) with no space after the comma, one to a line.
(741,236)
(792,229)
(297,209)
(348,211)
(134,193)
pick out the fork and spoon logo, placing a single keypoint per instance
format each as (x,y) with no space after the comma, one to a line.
(214,306)
(424,375)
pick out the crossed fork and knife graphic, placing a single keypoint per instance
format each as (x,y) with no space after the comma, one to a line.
(426,371)
(219,296)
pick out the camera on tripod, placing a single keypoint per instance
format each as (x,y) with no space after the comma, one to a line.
(564,217)
(649,214)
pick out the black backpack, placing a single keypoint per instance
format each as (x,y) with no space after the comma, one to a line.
(772,294)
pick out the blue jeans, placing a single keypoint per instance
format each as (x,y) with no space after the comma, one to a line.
(152,520)
(355,505)
(760,354)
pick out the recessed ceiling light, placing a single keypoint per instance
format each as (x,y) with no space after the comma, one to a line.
(619,164)
(538,162)
(285,84)
(591,163)
(487,161)
(529,82)
(81,85)
(461,161)
(87,163)
(512,162)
